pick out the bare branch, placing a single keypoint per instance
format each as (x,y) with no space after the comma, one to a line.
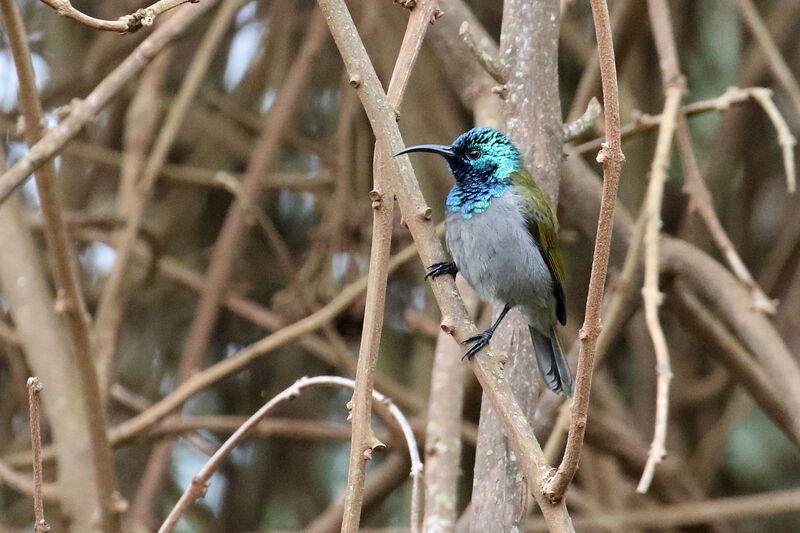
(643,122)
(364,440)
(785,138)
(776,62)
(442,440)
(34,388)
(674,88)
(691,513)
(199,484)
(125,24)
(612,158)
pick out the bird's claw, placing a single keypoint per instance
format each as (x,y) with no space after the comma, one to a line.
(440,269)
(481,341)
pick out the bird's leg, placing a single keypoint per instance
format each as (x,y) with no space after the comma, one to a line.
(440,269)
(481,340)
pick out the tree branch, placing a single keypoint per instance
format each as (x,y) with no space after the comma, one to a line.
(199,484)
(612,158)
(125,24)
(34,388)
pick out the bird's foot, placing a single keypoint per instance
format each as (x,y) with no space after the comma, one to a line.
(440,269)
(481,341)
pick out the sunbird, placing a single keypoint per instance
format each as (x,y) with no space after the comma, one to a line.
(503,236)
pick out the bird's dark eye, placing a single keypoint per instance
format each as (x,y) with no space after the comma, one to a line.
(474,154)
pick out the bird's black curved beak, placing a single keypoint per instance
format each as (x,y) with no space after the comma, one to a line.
(442,150)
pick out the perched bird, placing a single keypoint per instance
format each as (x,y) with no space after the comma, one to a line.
(503,236)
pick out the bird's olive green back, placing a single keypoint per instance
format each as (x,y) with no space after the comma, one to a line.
(543,226)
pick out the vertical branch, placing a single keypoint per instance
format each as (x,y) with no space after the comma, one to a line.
(363,439)
(70,298)
(443,431)
(34,388)
(674,87)
(612,158)
(45,342)
(776,62)
(531,111)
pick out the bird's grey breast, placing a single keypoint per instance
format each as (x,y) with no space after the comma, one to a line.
(497,255)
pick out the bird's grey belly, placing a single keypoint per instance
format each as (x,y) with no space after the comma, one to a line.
(499,258)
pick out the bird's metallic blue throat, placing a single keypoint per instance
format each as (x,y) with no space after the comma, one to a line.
(472,197)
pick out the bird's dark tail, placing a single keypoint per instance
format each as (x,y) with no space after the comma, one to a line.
(552,364)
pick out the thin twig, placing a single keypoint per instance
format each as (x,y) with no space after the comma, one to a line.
(700,200)
(785,138)
(612,158)
(364,440)
(674,87)
(34,388)
(199,484)
(125,24)
(776,62)
(69,300)
(87,109)
(582,124)
(491,64)
(643,122)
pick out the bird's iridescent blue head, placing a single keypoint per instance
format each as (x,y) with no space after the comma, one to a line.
(481,154)
(482,161)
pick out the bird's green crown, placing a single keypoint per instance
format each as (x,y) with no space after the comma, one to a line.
(483,165)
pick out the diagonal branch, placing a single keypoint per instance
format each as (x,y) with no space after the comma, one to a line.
(34,388)
(674,87)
